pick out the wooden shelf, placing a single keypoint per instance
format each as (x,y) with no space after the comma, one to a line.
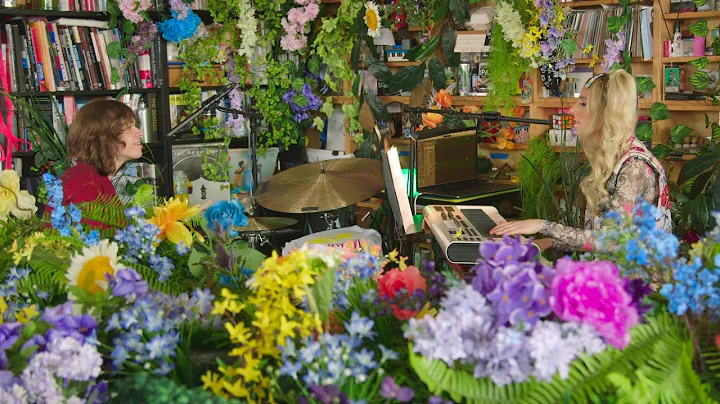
(586,61)
(401,64)
(338,99)
(589,3)
(476,32)
(692,15)
(688,59)
(555,102)
(22,12)
(494,146)
(408,29)
(457,101)
(700,106)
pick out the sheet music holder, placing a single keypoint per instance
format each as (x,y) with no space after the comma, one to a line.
(396,186)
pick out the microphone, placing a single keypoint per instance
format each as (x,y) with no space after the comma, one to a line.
(204,106)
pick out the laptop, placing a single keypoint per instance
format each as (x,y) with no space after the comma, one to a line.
(447,167)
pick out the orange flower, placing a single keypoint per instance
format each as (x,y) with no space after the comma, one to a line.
(471,109)
(432,120)
(443,98)
(518,112)
(505,144)
(508,134)
(392,281)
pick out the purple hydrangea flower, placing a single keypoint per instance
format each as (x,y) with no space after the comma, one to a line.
(9,334)
(128,283)
(389,389)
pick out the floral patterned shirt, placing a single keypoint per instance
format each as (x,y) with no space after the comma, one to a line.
(636,178)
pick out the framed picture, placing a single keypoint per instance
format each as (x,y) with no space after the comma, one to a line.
(672,79)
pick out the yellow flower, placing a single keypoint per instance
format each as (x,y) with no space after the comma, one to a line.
(237,389)
(372,19)
(588,49)
(12,200)
(213,382)
(594,60)
(249,372)
(3,308)
(26,314)
(171,218)
(239,334)
(89,269)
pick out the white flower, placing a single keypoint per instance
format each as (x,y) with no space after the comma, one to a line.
(511,23)
(551,353)
(89,269)
(249,27)
(372,19)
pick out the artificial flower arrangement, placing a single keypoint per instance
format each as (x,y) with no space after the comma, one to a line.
(88,315)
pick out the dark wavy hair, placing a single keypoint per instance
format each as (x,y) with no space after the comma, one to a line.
(94,136)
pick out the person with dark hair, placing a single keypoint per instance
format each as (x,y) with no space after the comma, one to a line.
(102,138)
(623,170)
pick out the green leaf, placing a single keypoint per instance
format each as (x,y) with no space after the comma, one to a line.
(700,80)
(714,193)
(616,23)
(441,11)
(144,195)
(661,151)
(355,55)
(377,107)
(437,73)
(699,28)
(407,78)
(195,263)
(424,50)
(716,46)
(413,52)
(644,84)
(700,63)
(113,49)
(707,121)
(699,213)
(114,75)
(569,46)
(247,257)
(314,65)
(448,42)
(679,133)
(700,3)
(321,294)
(644,132)
(698,186)
(699,164)
(715,128)
(659,112)
(459,10)
(379,70)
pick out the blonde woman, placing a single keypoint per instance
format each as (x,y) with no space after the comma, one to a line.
(622,169)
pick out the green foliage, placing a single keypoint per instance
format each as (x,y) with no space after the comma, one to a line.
(448,44)
(537,170)
(644,84)
(699,28)
(700,63)
(659,112)
(420,16)
(141,388)
(270,12)
(644,132)
(700,80)
(407,78)
(437,73)
(320,296)
(652,353)
(679,133)
(333,44)
(504,68)
(459,11)
(108,210)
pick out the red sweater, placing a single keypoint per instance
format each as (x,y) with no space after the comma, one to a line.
(82,183)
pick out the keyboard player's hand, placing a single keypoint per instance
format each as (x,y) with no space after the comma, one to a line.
(518,227)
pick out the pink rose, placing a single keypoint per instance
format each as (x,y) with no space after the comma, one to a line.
(392,281)
(593,293)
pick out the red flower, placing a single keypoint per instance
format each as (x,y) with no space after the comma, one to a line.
(394,280)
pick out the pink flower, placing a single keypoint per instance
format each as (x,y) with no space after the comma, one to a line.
(593,293)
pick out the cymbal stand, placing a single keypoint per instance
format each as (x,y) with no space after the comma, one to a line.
(255,240)
(331,218)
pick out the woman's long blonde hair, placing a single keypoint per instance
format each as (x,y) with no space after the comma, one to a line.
(612,104)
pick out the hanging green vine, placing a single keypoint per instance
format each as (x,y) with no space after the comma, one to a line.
(504,67)
(333,44)
(270,12)
(279,128)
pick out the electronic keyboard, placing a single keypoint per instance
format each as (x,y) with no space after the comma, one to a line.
(459,230)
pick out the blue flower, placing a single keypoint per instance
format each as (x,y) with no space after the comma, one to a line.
(290,368)
(223,216)
(360,326)
(175,30)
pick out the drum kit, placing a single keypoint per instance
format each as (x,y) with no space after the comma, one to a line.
(322,187)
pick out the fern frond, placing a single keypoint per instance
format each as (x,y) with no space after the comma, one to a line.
(108,210)
(588,375)
(173,286)
(48,272)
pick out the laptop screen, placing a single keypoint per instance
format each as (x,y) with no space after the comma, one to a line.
(446,159)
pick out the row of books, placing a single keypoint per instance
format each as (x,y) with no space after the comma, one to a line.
(590,26)
(83,5)
(71,55)
(58,112)
(59,5)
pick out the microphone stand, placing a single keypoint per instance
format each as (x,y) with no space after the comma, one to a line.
(204,106)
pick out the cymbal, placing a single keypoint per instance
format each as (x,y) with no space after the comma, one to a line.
(266,223)
(322,186)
